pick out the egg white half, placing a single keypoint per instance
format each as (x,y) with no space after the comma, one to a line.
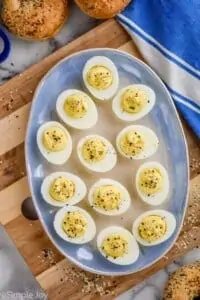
(133,248)
(108,93)
(80,189)
(86,122)
(58,157)
(159,197)
(126,200)
(90,231)
(171,226)
(125,116)
(104,165)
(151,141)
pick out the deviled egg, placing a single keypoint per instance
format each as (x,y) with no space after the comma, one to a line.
(73,224)
(154,227)
(152,183)
(109,197)
(96,153)
(76,109)
(118,245)
(62,188)
(137,142)
(100,77)
(54,142)
(133,102)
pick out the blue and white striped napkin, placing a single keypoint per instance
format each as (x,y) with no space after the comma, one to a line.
(167,33)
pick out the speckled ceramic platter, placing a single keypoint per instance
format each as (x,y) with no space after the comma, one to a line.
(172,153)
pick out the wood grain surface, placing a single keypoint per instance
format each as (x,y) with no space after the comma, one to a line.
(56,275)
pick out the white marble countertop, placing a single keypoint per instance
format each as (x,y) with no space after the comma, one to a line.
(24,54)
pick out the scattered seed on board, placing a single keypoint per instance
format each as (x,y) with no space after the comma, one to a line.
(194,164)
(91,283)
(9,106)
(193,214)
(192,220)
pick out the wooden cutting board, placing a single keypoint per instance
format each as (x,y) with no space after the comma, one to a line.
(56,275)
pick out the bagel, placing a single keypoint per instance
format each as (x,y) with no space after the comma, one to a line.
(102,9)
(34,19)
(184,284)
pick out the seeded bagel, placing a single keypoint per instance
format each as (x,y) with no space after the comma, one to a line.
(34,19)
(184,284)
(102,9)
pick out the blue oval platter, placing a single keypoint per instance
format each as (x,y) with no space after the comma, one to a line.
(172,153)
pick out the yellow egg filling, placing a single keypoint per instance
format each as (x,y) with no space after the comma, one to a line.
(150,181)
(62,189)
(115,246)
(133,100)
(107,197)
(132,143)
(152,228)
(74,224)
(99,77)
(94,150)
(76,105)
(54,139)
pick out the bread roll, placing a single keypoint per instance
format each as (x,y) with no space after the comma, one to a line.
(102,9)
(184,284)
(34,19)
